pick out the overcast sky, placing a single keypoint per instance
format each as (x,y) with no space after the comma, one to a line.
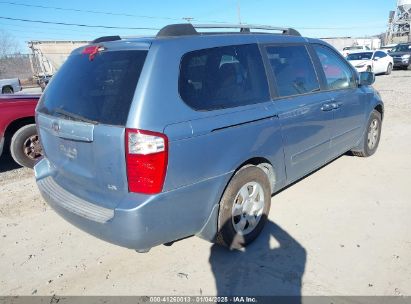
(312,18)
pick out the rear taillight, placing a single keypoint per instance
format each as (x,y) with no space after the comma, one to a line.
(146,158)
(92,51)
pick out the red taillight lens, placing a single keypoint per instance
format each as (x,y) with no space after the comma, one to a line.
(92,51)
(146,158)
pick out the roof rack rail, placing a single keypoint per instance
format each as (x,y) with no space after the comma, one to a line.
(185,29)
(106,38)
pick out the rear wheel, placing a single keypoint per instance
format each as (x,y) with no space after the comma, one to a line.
(244,208)
(25,146)
(7,90)
(389,69)
(371,136)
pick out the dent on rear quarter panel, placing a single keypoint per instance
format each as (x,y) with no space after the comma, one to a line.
(210,156)
(198,149)
(212,151)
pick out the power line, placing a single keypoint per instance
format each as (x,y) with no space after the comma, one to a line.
(88,11)
(103,12)
(80,25)
(140,16)
(47,33)
(102,31)
(157,29)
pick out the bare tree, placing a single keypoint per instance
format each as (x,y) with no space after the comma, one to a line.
(8,44)
(16,65)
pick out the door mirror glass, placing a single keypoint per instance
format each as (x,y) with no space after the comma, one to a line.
(367,78)
(376,58)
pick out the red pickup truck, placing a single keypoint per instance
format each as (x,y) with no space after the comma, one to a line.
(17,128)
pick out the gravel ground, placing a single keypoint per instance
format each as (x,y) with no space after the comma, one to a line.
(344,230)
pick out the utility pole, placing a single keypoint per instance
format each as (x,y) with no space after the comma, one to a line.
(188,19)
(239,11)
(388,34)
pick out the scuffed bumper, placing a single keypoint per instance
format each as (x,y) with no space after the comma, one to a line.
(146,221)
(399,63)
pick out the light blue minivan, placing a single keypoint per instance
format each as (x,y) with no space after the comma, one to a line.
(151,140)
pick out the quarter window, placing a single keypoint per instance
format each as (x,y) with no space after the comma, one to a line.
(337,73)
(293,70)
(223,77)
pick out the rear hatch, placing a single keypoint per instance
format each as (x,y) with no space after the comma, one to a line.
(81,119)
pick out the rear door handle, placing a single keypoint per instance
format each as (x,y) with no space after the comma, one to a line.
(331,106)
(327,107)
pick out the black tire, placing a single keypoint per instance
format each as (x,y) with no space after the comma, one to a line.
(7,90)
(389,69)
(366,150)
(25,146)
(368,69)
(227,235)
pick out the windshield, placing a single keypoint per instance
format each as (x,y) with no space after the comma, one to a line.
(97,91)
(402,48)
(360,56)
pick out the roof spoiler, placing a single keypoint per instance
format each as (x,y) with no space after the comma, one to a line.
(106,38)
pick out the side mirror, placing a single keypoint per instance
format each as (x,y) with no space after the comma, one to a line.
(376,58)
(366,78)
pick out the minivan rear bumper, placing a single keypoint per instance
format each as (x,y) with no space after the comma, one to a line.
(148,221)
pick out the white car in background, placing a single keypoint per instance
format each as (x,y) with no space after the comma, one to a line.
(378,62)
(355,48)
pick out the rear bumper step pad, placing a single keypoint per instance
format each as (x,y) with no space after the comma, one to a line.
(72,203)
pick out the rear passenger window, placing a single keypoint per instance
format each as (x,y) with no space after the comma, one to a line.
(293,70)
(223,77)
(337,72)
(380,54)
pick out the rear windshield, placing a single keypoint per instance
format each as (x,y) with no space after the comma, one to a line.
(360,56)
(99,90)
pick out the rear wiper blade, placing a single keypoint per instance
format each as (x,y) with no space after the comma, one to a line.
(75,117)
